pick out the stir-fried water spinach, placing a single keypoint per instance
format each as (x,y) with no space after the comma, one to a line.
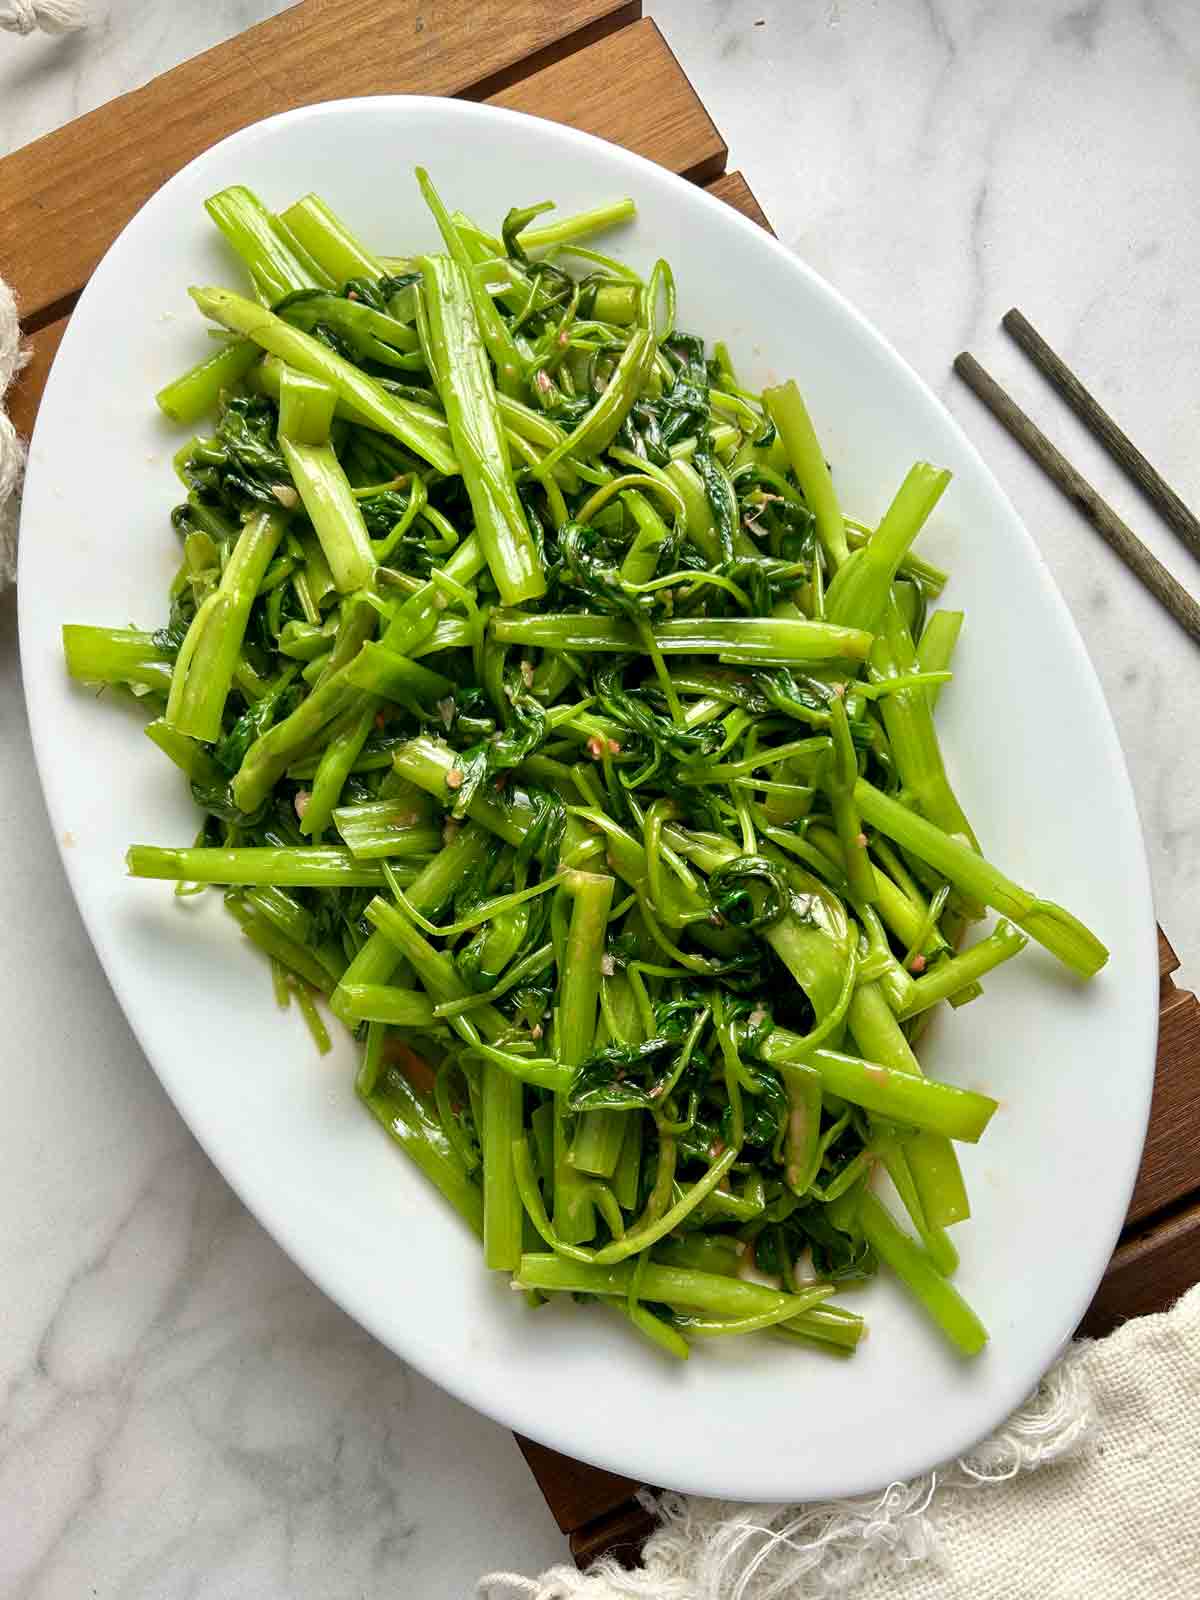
(547,715)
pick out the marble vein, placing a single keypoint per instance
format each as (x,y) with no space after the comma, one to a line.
(182,1416)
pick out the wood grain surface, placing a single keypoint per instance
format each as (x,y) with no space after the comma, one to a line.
(1149,1270)
(576,1494)
(629,89)
(593,65)
(736,192)
(64,198)
(1170,1168)
(25,396)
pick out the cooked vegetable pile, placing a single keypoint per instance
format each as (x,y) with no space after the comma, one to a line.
(548,716)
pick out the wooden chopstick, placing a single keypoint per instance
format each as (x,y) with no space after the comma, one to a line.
(1118,444)
(1075,486)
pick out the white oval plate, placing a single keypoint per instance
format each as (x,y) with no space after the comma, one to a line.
(1029,740)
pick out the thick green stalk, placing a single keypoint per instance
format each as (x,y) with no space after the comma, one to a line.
(497,339)
(578,997)
(333,512)
(379,828)
(601,1136)
(378,958)
(948,977)
(197,392)
(422,430)
(306,407)
(329,241)
(381,1002)
(370,334)
(749,639)
(190,757)
(1061,933)
(935,650)
(384,673)
(670,1286)
(116,656)
(413,1124)
(578,226)
(802,1145)
(246,224)
(617,303)
(908,720)
(842,776)
(787,411)
(299,867)
(862,586)
(916,1270)
(503,1119)
(209,654)
(459,363)
(336,764)
(899,1096)
(932,1159)
(270,756)
(428,765)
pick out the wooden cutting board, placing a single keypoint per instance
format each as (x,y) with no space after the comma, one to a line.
(596,65)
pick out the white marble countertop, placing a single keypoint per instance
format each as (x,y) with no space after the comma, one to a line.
(181,1413)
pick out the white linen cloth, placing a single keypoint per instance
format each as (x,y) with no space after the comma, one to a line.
(1090,1492)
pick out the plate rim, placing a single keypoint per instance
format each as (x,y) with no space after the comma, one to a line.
(1143,1004)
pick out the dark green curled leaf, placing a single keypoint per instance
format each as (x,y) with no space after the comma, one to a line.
(733,900)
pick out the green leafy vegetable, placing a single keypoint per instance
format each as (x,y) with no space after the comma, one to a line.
(546,714)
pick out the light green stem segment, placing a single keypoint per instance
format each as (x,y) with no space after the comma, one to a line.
(950,976)
(297,867)
(306,407)
(916,1270)
(197,392)
(683,1287)
(899,1096)
(428,765)
(459,363)
(414,1125)
(908,722)
(377,828)
(578,998)
(270,756)
(1061,933)
(116,656)
(842,776)
(209,654)
(248,226)
(383,1002)
(602,423)
(748,639)
(787,411)
(188,756)
(382,672)
(329,241)
(932,1159)
(936,648)
(577,226)
(334,767)
(498,340)
(378,958)
(421,429)
(601,1136)
(333,512)
(862,586)
(503,1213)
